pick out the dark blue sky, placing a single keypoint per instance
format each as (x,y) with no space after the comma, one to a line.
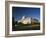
(18,12)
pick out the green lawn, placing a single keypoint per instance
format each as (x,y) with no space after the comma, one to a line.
(20,26)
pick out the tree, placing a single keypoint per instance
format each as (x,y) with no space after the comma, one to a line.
(13,23)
